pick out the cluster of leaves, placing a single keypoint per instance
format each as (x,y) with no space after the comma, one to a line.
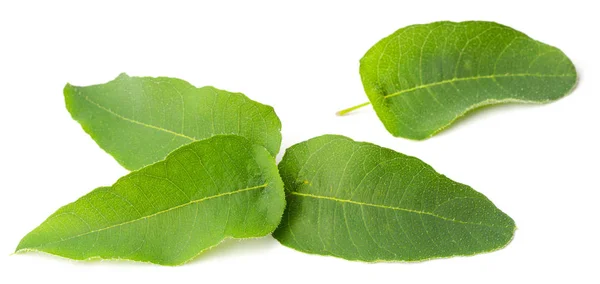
(203,166)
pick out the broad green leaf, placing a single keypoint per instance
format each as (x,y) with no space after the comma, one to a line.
(359,201)
(169,212)
(139,120)
(422,78)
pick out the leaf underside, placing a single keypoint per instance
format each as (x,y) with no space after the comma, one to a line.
(422,78)
(359,201)
(140,120)
(169,212)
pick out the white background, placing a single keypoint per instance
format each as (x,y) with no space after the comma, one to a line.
(539,164)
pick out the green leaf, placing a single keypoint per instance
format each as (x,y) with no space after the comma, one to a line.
(139,120)
(169,212)
(359,201)
(422,78)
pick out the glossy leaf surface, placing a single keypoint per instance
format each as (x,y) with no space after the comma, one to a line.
(169,212)
(360,201)
(422,78)
(140,120)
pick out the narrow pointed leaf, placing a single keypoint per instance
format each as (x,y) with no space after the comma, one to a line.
(169,212)
(139,120)
(359,201)
(422,78)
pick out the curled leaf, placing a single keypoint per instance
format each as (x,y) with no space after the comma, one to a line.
(422,78)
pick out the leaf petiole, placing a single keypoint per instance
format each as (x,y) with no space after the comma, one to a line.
(350,109)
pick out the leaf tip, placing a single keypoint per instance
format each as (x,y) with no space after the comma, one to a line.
(68,88)
(20,247)
(122,75)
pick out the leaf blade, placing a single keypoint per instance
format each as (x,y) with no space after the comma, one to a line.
(169,212)
(422,78)
(359,201)
(139,120)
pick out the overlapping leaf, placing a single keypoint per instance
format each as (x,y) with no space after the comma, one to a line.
(423,77)
(169,212)
(360,201)
(139,120)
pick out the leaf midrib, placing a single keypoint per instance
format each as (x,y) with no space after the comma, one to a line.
(473,78)
(156,213)
(136,121)
(389,208)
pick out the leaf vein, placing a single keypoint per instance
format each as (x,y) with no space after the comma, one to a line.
(474,78)
(136,121)
(389,208)
(147,217)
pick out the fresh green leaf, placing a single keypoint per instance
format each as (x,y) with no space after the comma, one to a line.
(359,201)
(139,120)
(169,212)
(422,78)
